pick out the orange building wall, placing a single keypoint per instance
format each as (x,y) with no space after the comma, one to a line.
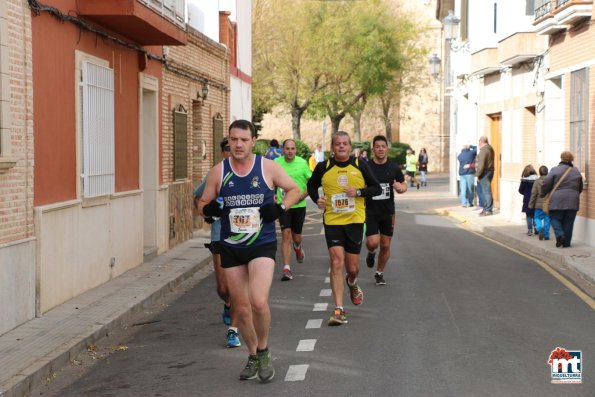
(54,45)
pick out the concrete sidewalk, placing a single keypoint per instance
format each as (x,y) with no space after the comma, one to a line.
(576,263)
(33,351)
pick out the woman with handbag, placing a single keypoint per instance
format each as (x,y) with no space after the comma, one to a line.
(561,190)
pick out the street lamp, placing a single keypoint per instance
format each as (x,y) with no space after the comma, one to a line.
(435,66)
(450,24)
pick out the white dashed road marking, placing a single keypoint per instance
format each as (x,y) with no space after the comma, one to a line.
(327,280)
(314,323)
(326,292)
(306,345)
(320,307)
(296,372)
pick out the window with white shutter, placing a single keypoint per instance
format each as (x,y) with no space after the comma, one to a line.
(98,130)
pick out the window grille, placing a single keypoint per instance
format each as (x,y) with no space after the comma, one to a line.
(180,143)
(98,130)
(579,108)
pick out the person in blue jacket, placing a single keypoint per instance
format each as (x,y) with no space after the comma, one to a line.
(467,174)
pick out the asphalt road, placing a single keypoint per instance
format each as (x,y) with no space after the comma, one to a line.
(460,316)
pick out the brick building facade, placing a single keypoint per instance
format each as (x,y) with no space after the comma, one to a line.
(189,69)
(17,241)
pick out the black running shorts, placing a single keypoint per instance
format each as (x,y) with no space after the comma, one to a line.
(233,256)
(293,218)
(383,224)
(348,236)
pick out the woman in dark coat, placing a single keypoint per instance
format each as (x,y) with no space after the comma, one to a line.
(528,178)
(565,200)
(422,164)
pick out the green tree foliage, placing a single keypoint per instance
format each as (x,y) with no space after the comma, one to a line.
(366,56)
(408,77)
(286,56)
(261,146)
(326,58)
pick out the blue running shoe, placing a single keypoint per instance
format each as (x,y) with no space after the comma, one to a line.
(233,339)
(226,315)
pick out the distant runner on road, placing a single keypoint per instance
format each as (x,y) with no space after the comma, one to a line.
(380,210)
(292,221)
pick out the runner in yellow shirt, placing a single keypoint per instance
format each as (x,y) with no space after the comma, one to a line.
(346,182)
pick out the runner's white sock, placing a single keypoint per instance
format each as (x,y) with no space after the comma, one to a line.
(286,267)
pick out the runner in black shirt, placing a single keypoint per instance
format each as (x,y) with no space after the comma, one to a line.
(380,210)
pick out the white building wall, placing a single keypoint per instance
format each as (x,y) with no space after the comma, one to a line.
(204,17)
(17,283)
(240,100)
(76,245)
(241,90)
(481,22)
(512,18)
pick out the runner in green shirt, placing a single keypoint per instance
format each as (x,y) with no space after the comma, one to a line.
(292,220)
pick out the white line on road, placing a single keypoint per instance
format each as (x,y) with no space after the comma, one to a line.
(306,345)
(326,292)
(320,307)
(327,280)
(296,372)
(452,317)
(314,323)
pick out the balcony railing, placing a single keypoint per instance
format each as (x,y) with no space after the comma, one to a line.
(174,10)
(542,8)
(552,16)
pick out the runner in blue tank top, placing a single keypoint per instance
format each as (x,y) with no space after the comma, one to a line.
(246,182)
(243,196)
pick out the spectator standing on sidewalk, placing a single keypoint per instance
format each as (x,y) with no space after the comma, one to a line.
(380,210)
(485,174)
(292,221)
(346,182)
(233,336)
(246,182)
(528,178)
(467,174)
(565,200)
(422,165)
(542,220)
